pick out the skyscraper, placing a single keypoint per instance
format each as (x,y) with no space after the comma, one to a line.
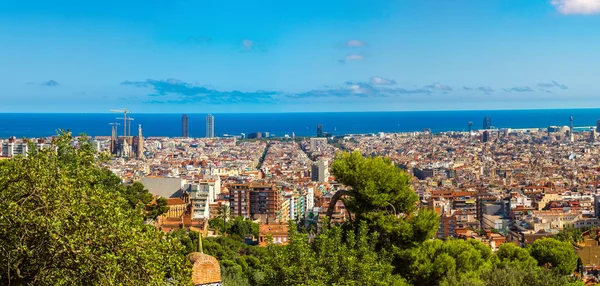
(184,126)
(571,135)
(485,137)
(470,127)
(319,130)
(210,126)
(487,122)
(598,126)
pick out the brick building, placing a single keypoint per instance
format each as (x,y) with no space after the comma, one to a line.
(256,201)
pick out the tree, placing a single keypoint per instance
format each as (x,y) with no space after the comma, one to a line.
(336,256)
(511,255)
(510,275)
(452,262)
(141,199)
(380,195)
(224,213)
(570,234)
(240,227)
(559,256)
(157,208)
(65,221)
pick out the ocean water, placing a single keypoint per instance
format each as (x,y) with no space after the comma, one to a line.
(278,124)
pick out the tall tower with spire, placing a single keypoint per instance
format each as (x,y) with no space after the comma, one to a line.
(140,143)
(113,140)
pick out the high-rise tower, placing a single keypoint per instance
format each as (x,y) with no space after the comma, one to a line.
(210,126)
(571,124)
(470,127)
(487,122)
(485,137)
(571,135)
(320,130)
(184,126)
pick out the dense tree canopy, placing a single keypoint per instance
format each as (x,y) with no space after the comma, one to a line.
(381,196)
(558,255)
(65,221)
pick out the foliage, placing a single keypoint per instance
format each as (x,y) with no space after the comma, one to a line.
(510,255)
(65,221)
(142,200)
(448,263)
(514,276)
(335,257)
(570,234)
(239,228)
(559,256)
(381,196)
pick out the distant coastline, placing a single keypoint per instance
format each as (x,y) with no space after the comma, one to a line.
(300,123)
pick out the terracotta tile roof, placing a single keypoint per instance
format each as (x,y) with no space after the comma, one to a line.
(175,201)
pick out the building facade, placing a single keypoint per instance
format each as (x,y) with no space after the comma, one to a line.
(210,126)
(320,171)
(256,201)
(184,126)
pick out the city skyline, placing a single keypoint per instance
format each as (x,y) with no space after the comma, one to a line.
(205,57)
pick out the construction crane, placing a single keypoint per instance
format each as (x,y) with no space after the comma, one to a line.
(115,126)
(124,110)
(125,119)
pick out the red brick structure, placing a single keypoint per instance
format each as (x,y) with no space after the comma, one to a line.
(206,269)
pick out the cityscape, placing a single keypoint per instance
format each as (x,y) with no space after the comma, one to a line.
(493,185)
(305,143)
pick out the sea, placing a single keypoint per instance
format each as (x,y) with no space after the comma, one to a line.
(35,125)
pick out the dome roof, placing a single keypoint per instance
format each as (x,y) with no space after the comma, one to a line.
(206,268)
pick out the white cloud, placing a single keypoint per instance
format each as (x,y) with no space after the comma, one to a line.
(247,44)
(354,57)
(355,43)
(438,86)
(381,81)
(583,7)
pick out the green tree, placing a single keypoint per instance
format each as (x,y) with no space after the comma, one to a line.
(224,213)
(380,194)
(570,234)
(65,221)
(240,228)
(157,208)
(559,256)
(511,255)
(141,199)
(452,262)
(510,275)
(334,257)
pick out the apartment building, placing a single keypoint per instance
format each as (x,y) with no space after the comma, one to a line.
(256,201)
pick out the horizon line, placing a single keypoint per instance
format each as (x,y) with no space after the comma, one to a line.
(288,112)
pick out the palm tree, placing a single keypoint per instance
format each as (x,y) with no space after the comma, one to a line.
(224,212)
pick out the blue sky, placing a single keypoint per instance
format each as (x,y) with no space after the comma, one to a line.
(287,56)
